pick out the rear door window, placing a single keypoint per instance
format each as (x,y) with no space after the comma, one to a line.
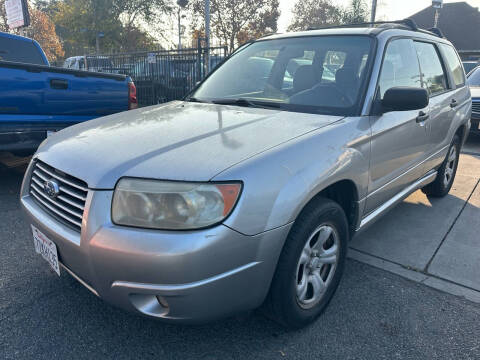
(433,75)
(400,66)
(20,51)
(454,64)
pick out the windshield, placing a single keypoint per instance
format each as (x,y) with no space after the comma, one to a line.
(469,66)
(473,78)
(321,74)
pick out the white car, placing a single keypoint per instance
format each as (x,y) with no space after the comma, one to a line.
(90,63)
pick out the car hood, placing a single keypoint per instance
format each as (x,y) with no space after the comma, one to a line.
(176,141)
(475,91)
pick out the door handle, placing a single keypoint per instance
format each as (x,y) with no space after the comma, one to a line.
(453,103)
(422,117)
(59,84)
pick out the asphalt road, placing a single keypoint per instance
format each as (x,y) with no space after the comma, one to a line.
(374,315)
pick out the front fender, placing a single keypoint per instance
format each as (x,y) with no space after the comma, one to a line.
(280,182)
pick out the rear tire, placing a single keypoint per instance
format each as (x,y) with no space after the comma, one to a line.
(446,173)
(310,266)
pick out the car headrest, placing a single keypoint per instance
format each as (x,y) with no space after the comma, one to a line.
(305,78)
(345,77)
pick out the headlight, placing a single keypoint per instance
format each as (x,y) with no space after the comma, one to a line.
(171,205)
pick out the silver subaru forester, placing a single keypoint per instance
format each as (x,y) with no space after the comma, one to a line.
(248,191)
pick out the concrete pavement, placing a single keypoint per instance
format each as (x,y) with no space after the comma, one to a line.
(472,145)
(433,241)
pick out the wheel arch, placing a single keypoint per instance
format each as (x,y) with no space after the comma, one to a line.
(462,133)
(345,193)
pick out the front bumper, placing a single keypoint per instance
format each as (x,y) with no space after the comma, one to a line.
(25,142)
(25,138)
(190,276)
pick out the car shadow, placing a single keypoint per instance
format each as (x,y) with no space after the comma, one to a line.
(472,145)
(411,232)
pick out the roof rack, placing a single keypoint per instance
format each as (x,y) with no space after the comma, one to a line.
(270,34)
(436,31)
(401,23)
(408,24)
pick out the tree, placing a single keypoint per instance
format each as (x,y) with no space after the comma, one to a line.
(357,12)
(80,22)
(314,13)
(133,12)
(42,30)
(321,13)
(265,24)
(3,17)
(234,20)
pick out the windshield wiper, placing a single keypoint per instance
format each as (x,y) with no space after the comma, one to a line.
(245,102)
(194,99)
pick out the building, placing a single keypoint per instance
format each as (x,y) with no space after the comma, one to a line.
(459,22)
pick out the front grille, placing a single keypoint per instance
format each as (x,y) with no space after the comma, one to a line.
(68,205)
(476,107)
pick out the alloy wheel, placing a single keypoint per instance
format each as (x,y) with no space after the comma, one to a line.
(317,265)
(450,166)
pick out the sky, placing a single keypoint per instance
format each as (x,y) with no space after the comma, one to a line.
(386,9)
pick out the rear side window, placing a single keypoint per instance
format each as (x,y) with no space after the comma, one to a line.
(454,64)
(433,76)
(20,51)
(400,66)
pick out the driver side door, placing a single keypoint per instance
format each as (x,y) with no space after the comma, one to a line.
(399,138)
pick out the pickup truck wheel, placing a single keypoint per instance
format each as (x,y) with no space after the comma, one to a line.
(446,173)
(310,265)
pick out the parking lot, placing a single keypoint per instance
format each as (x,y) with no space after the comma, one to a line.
(395,301)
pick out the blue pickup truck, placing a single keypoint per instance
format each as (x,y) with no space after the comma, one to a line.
(36,98)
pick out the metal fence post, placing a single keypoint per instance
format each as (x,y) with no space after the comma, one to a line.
(199,59)
(207,34)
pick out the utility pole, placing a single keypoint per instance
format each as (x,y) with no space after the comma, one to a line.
(374,11)
(435,21)
(437,5)
(181,5)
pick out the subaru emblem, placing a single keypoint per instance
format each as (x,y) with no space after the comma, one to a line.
(51,188)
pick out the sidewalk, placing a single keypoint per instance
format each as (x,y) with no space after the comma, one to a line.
(432,241)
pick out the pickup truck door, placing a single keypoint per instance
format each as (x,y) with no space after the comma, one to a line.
(399,138)
(59,94)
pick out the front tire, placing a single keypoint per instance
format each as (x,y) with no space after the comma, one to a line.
(446,173)
(310,265)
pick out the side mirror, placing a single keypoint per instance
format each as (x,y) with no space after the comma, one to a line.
(403,98)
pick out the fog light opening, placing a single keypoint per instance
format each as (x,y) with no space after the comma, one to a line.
(163,303)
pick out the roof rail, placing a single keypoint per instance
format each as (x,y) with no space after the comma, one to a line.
(270,34)
(409,23)
(402,24)
(436,31)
